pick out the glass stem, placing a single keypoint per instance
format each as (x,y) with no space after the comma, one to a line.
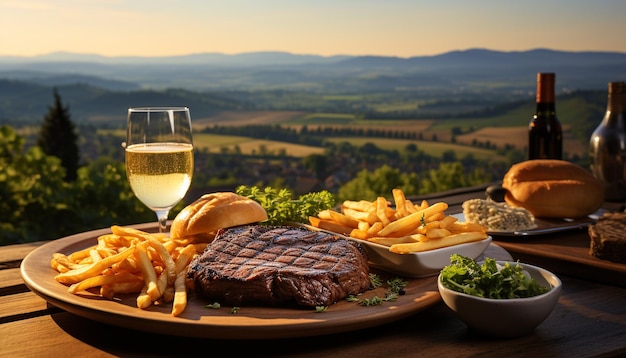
(162,218)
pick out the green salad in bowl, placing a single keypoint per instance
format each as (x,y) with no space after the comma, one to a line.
(498,298)
(489,279)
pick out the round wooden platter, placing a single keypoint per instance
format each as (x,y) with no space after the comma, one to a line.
(222,323)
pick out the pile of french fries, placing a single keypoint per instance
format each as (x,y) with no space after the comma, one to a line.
(405,228)
(131,261)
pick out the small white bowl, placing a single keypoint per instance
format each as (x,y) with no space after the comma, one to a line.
(509,318)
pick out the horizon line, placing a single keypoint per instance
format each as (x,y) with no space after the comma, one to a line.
(65,52)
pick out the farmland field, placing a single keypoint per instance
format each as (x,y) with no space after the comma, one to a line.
(434,136)
(435,149)
(518,137)
(242,118)
(216,143)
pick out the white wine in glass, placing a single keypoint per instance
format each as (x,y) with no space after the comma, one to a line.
(159,157)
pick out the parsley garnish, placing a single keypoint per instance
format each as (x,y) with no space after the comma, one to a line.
(281,207)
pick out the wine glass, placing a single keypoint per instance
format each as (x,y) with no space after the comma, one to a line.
(159,157)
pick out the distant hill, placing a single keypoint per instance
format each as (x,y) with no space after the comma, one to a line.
(99,87)
(279,70)
(25,102)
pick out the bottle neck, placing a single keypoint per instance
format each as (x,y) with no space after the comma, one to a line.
(616,105)
(545,109)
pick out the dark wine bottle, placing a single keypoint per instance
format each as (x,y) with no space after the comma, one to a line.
(607,146)
(545,135)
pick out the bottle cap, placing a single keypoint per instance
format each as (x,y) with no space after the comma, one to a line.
(545,87)
(617,87)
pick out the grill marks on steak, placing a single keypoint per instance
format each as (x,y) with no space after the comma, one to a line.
(269,265)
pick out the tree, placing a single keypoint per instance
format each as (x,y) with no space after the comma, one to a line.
(38,204)
(58,137)
(370,185)
(34,195)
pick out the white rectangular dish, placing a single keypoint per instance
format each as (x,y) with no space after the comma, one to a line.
(418,264)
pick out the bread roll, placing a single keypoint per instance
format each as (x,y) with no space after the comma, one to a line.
(553,189)
(211,212)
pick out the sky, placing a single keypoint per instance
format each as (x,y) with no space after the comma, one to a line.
(402,28)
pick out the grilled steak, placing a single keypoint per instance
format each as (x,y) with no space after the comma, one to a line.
(608,237)
(272,266)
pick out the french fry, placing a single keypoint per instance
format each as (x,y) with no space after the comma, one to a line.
(155,244)
(413,221)
(437,233)
(435,217)
(381,210)
(185,255)
(459,227)
(409,225)
(330,225)
(180,295)
(107,292)
(84,272)
(364,226)
(362,205)
(65,262)
(77,256)
(429,226)
(447,222)
(143,299)
(367,216)
(418,237)
(388,241)
(149,275)
(359,234)
(428,245)
(101,280)
(129,261)
(162,284)
(343,219)
(375,228)
(410,207)
(400,200)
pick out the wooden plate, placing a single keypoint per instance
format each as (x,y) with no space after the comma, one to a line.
(197,321)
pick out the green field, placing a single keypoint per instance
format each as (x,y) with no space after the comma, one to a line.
(435,149)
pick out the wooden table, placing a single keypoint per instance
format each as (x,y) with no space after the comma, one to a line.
(589,320)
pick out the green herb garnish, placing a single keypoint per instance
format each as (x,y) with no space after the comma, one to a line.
(319,309)
(213,305)
(234,310)
(488,280)
(374,301)
(375,281)
(281,207)
(397,285)
(396,288)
